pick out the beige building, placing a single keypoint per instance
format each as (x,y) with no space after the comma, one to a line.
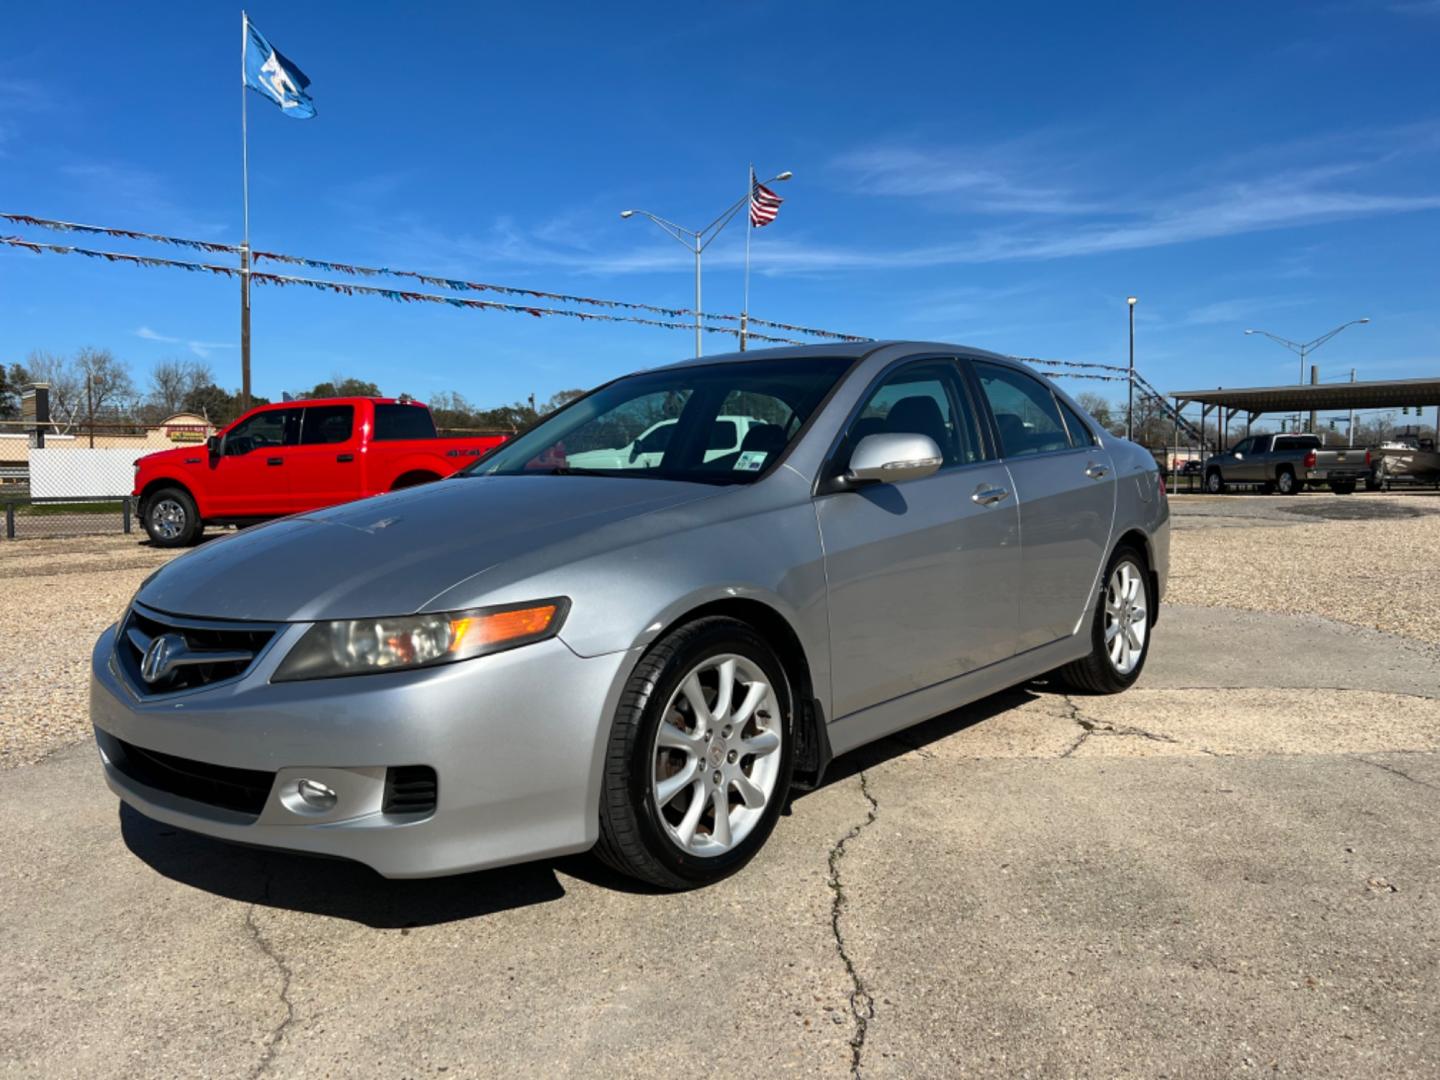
(177,430)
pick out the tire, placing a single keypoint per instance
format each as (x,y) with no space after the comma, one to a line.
(1101,672)
(1285,482)
(1374,482)
(1214,483)
(171,519)
(1343,488)
(663,837)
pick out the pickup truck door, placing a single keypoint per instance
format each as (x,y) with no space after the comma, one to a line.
(248,478)
(325,468)
(1065,487)
(922,576)
(1243,462)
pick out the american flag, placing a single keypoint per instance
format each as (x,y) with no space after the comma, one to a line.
(764,205)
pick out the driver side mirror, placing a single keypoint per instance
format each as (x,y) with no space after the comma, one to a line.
(213,445)
(891,458)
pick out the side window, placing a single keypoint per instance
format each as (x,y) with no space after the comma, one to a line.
(920,398)
(1241,447)
(264,430)
(326,424)
(398,421)
(1025,411)
(1080,433)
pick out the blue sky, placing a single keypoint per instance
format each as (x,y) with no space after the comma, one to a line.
(1000,177)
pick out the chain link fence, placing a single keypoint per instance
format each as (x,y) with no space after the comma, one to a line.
(60,479)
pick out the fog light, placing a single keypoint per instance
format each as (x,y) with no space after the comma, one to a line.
(316,795)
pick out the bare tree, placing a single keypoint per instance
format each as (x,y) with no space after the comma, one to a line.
(172,381)
(105,383)
(1099,408)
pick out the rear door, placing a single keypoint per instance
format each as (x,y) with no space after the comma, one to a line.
(249,479)
(1065,487)
(922,575)
(324,468)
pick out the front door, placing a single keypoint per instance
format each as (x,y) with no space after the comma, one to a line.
(248,479)
(923,576)
(1065,487)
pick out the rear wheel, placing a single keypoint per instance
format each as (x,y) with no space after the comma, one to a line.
(1120,631)
(1214,482)
(1285,482)
(699,758)
(170,518)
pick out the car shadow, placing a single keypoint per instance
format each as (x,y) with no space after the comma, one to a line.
(349,890)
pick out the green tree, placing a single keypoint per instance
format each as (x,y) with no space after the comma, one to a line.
(341,386)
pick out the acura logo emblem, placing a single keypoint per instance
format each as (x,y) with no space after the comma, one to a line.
(160,656)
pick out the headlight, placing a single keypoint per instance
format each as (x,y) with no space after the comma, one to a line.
(367,646)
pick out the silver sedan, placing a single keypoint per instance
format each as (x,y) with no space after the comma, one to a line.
(536,657)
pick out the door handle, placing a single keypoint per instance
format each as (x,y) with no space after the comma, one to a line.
(274,461)
(344,457)
(1096,472)
(986,496)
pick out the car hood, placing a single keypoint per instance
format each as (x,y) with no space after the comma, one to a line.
(391,554)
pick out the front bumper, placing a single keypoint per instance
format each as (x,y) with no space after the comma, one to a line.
(516,740)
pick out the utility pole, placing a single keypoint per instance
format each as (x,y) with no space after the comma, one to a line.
(1314,379)
(1350,426)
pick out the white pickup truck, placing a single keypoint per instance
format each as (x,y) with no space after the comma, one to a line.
(727,435)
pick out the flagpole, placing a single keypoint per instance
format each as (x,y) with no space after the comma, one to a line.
(245,243)
(749,228)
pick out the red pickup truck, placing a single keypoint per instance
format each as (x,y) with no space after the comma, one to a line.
(295,456)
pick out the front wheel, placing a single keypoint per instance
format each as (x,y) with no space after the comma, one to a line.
(171,519)
(1120,631)
(699,757)
(1214,482)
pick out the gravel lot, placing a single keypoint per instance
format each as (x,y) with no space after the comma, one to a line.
(1371,560)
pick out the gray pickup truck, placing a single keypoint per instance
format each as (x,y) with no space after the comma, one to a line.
(1287,464)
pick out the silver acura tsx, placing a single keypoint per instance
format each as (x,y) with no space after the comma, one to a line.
(539,656)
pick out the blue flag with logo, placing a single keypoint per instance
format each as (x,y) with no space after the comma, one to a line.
(271,75)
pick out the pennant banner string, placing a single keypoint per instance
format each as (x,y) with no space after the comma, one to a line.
(436,281)
(345,288)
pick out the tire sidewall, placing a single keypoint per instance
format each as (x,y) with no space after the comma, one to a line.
(1214,482)
(725,636)
(1280,482)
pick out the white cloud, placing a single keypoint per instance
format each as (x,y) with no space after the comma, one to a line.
(202,349)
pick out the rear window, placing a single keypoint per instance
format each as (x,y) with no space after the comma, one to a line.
(326,424)
(394,422)
(1297,442)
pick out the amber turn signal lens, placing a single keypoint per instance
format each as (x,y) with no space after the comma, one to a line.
(477,631)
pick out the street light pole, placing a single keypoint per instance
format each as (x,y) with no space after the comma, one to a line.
(1131,301)
(697,240)
(1305,348)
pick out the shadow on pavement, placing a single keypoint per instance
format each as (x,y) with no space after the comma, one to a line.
(334,887)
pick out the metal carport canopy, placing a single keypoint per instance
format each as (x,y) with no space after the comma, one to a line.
(1255,400)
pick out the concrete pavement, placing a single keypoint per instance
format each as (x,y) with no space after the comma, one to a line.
(1198,877)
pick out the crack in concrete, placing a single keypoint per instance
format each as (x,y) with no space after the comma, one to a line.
(1399,772)
(862,1005)
(1094,727)
(277,1035)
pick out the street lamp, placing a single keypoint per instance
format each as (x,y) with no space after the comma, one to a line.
(1131,301)
(697,240)
(1305,348)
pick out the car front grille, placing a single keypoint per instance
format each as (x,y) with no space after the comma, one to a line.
(241,790)
(201,651)
(410,789)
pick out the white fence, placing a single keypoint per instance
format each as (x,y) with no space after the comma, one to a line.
(73,472)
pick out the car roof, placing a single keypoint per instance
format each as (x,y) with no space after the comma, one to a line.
(847,350)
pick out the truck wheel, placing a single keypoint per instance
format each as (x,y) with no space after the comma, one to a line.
(698,762)
(1285,482)
(171,519)
(1214,482)
(1346,487)
(1374,482)
(1120,631)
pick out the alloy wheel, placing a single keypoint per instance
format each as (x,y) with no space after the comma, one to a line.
(168,518)
(716,759)
(1126,619)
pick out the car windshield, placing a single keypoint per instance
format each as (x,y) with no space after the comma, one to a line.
(714,423)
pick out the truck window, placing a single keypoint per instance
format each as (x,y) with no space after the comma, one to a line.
(1297,442)
(268,429)
(394,422)
(1244,446)
(326,424)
